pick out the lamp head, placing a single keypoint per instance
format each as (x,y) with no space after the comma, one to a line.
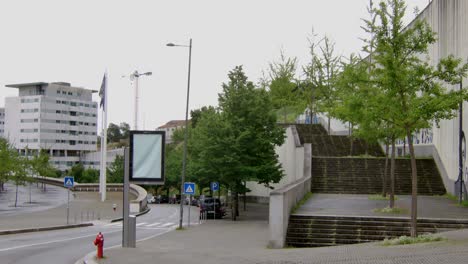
(170,44)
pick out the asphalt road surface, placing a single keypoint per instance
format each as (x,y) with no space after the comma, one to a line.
(69,245)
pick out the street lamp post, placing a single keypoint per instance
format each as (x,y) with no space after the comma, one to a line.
(134,77)
(184,160)
(460,148)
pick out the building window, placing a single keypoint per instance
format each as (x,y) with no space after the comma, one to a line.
(58,91)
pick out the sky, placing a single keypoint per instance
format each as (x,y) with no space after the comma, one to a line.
(77,41)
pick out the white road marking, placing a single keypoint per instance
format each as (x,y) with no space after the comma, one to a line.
(140,224)
(154,224)
(167,224)
(114,224)
(51,242)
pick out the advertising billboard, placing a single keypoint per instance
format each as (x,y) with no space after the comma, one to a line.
(147,157)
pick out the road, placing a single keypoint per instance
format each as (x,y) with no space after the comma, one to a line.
(69,245)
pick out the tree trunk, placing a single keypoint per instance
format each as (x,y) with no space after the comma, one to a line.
(245,196)
(414,182)
(16,196)
(404,147)
(392,175)
(237,204)
(329,128)
(384,180)
(233,207)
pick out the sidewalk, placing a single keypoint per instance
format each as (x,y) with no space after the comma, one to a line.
(84,207)
(244,241)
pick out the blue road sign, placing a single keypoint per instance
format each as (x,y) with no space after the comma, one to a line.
(68,182)
(189,188)
(215,186)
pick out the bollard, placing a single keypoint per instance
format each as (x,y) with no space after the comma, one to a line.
(99,243)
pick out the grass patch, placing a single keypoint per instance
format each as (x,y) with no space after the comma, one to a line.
(455,199)
(180,228)
(406,240)
(301,202)
(379,197)
(388,210)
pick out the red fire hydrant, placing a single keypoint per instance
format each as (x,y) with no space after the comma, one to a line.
(99,242)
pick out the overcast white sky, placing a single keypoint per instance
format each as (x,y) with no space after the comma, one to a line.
(75,41)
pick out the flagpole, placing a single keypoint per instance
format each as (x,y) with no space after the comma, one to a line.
(104,166)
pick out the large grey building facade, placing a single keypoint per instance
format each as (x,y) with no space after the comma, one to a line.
(56,117)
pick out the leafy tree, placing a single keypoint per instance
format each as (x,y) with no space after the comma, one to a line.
(41,167)
(124,130)
(328,66)
(253,133)
(281,86)
(6,161)
(115,171)
(20,172)
(173,166)
(413,89)
(83,175)
(113,133)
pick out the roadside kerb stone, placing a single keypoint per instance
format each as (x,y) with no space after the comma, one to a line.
(38,229)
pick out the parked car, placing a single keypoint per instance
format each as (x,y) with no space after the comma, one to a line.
(162,199)
(150,199)
(195,202)
(212,207)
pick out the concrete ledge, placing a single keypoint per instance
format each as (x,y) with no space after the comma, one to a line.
(140,203)
(284,199)
(38,229)
(140,213)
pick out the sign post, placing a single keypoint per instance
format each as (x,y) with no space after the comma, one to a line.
(189,188)
(214,187)
(68,183)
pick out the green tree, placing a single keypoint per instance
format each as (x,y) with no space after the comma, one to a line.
(328,67)
(124,130)
(281,85)
(113,133)
(413,88)
(253,133)
(173,166)
(41,167)
(6,162)
(20,171)
(115,171)
(83,175)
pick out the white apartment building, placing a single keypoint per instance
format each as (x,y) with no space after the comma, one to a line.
(170,127)
(2,121)
(54,116)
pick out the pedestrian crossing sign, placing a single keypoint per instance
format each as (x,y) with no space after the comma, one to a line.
(189,188)
(68,182)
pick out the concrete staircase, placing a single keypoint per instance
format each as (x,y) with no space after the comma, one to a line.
(364,176)
(335,171)
(335,146)
(317,231)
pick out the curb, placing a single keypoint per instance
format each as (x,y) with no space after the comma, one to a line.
(39,229)
(121,218)
(88,259)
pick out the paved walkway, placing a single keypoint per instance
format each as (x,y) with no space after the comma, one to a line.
(244,241)
(84,207)
(361,205)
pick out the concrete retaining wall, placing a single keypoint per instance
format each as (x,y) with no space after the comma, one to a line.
(291,156)
(284,199)
(137,205)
